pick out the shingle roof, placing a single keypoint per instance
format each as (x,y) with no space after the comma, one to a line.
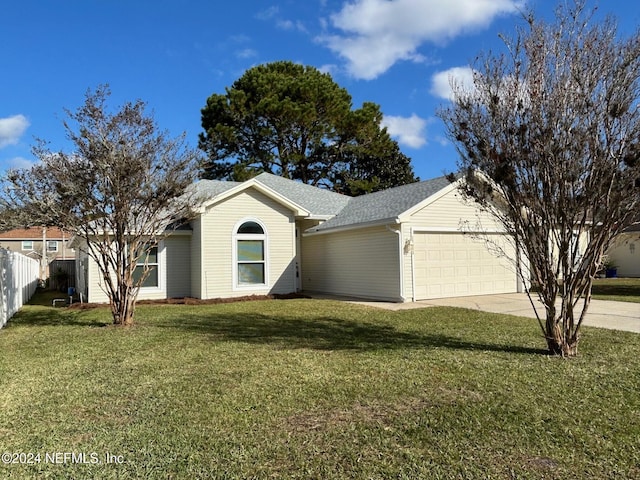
(318,201)
(212,188)
(383,205)
(343,210)
(35,233)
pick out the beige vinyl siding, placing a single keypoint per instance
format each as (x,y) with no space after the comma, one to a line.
(305,224)
(361,263)
(302,226)
(625,254)
(178,265)
(217,236)
(94,281)
(450,214)
(173,253)
(196,258)
(82,265)
(452,211)
(583,242)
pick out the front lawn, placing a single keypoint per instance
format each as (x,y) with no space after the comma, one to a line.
(312,389)
(619,289)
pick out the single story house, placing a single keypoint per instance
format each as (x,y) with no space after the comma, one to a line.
(273,235)
(624,253)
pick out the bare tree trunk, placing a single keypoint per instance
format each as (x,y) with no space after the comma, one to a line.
(560,345)
(123,306)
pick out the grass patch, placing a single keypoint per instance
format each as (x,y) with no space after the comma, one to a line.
(314,389)
(45,298)
(618,289)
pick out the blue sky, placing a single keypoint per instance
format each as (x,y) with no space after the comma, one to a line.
(174,54)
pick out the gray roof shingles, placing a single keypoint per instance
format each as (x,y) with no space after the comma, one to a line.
(316,200)
(210,189)
(344,211)
(383,205)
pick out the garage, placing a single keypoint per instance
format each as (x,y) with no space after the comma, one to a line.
(454,264)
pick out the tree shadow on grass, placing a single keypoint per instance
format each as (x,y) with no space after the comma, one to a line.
(325,333)
(45,298)
(618,288)
(39,316)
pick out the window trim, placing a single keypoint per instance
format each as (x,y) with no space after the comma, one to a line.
(160,265)
(264,237)
(50,242)
(24,248)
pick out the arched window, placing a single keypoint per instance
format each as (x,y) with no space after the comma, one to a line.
(251,228)
(250,249)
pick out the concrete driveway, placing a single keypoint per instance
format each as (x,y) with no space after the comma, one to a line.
(604,314)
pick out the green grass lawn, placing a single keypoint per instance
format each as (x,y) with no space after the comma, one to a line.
(313,389)
(620,289)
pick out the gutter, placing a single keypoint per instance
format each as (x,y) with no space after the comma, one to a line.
(344,228)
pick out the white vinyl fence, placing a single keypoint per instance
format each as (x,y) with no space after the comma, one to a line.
(18,282)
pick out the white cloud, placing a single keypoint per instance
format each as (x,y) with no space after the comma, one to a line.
(285,24)
(441,81)
(291,25)
(273,14)
(375,34)
(11,129)
(410,131)
(239,39)
(464,82)
(246,53)
(267,13)
(329,68)
(20,163)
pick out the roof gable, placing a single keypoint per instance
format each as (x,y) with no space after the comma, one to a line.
(340,211)
(387,205)
(216,192)
(305,200)
(318,201)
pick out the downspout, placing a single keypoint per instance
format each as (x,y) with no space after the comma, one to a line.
(400,259)
(413,267)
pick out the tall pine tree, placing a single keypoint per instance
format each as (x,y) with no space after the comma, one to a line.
(295,121)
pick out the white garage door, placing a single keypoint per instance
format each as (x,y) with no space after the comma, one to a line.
(457,265)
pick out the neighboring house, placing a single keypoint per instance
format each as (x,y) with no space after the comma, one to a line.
(273,235)
(624,252)
(43,244)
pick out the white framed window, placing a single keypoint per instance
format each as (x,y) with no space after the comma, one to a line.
(52,246)
(154,262)
(250,254)
(27,245)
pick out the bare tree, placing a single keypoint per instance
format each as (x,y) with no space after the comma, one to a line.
(120,190)
(549,143)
